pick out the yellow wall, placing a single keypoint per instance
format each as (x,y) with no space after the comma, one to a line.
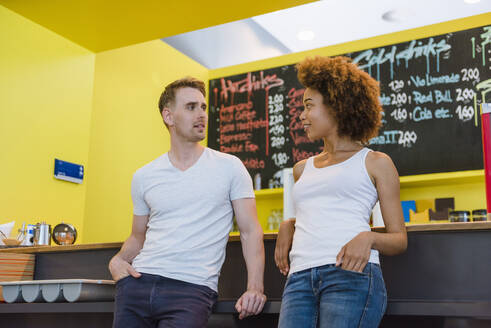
(126,129)
(45,107)
(469,194)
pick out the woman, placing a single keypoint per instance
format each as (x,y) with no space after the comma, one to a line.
(334,277)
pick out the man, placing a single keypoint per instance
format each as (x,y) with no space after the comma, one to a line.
(183,203)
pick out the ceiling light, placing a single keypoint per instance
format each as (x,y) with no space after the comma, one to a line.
(471,1)
(306,35)
(392,16)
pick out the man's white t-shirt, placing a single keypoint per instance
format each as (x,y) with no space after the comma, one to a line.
(190,215)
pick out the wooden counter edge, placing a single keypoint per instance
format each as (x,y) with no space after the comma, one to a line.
(448,226)
(453,226)
(59,248)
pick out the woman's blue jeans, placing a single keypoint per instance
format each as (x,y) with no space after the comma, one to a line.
(328,296)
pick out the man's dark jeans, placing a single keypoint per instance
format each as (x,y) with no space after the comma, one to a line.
(156,301)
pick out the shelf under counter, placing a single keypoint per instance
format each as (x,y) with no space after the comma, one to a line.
(227,306)
(80,307)
(221,306)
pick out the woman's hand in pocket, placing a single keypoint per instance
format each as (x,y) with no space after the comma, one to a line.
(355,254)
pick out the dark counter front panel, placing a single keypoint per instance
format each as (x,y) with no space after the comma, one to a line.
(442,280)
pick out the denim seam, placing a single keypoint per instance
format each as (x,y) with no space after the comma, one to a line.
(312,283)
(369,294)
(316,293)
(316,314)
(384,305)
(152,292)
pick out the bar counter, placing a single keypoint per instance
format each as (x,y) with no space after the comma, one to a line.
(455,226)
(442,280)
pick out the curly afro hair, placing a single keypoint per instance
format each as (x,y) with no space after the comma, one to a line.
(352,94)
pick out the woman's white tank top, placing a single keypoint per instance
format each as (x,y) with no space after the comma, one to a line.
(332,205)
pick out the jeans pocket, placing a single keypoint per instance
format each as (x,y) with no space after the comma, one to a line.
(213,295)
(122,281)
(365,273)
(209,293)
(295,281)
(290,278)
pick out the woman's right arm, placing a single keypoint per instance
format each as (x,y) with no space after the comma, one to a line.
(287,228)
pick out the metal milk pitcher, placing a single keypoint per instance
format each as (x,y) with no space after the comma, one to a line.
(42,234)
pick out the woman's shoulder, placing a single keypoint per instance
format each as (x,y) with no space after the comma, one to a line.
(377,161)
(378,157)
(298,169)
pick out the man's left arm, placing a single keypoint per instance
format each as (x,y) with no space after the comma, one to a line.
(251,237)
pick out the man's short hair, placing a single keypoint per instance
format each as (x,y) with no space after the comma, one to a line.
(168,97)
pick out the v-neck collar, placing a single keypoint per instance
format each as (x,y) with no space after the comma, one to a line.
(189,168)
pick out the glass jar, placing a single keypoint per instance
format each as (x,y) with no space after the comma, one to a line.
(257,181)
(459,216)
(479,215)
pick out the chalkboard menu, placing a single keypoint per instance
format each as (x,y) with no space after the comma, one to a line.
(431,90)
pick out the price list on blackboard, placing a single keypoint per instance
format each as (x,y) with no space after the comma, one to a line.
(431,91)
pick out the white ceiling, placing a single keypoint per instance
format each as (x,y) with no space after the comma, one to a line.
(331,21)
